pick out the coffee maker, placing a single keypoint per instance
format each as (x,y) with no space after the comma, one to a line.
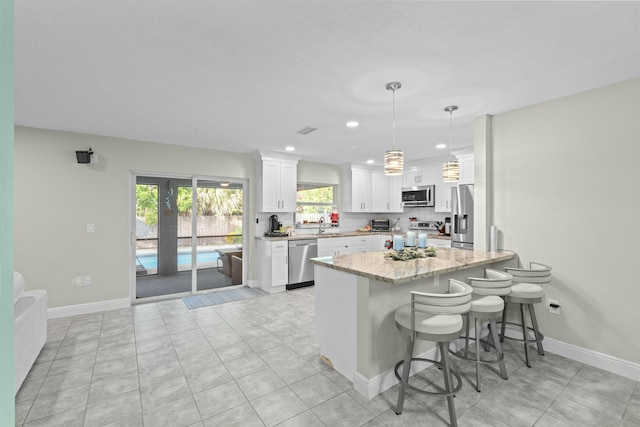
(274,225)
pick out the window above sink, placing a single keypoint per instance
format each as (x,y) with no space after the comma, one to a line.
(315,203)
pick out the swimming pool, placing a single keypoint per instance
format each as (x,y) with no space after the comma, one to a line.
(150,260)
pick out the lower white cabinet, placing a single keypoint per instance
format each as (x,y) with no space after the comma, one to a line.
(273,265)
(334,246)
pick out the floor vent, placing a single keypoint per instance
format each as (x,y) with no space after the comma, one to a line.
(306,130)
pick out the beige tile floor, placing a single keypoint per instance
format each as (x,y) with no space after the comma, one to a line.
(256,363)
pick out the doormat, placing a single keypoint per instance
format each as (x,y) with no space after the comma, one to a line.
(222,297)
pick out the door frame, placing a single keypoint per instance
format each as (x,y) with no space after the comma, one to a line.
(133,175)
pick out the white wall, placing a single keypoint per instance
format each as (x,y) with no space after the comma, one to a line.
(54,199)
(565,193)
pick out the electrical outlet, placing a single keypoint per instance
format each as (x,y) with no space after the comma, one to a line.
(86,281)
(554,306)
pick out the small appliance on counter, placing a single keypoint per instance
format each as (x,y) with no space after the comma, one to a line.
(274,228)
(380,225)
(447,226)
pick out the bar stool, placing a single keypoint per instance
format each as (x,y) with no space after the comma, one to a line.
(436,318)
(486,305)
(526,291)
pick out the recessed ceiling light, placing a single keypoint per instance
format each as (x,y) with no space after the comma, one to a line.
(370,161)
(441,146)
(353,146)
(353,124)
(290,148)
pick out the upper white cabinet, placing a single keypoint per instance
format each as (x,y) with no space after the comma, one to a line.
(420,175)
(277,179)
(357,189)
(367,190)
(386,192)
(466,169)
(443,197)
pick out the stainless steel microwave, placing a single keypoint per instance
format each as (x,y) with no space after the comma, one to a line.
(419,197)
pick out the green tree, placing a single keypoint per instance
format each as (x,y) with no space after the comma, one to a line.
(147,203)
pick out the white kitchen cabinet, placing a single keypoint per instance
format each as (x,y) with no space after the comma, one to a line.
(467,169)
(395,193)
(332,246)
(439,243)
(277,180)
(386,192)
(357,189)
(335,246)
(418,176)
(279,263)
(377,242)
(273,265)
(443,194)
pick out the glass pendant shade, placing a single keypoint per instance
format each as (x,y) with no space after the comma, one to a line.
(393,159)
(393,162)
(450,171)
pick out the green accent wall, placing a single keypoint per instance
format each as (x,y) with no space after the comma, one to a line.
(7,401)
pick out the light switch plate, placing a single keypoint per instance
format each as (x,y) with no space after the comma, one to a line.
(91,228)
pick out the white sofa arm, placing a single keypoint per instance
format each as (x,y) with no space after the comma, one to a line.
(18,286)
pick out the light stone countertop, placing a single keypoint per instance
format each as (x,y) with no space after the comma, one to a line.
(379,266)
(329,234)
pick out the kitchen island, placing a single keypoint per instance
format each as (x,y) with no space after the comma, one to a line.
(356,297)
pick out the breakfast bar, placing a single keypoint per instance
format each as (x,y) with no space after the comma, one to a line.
(356,298)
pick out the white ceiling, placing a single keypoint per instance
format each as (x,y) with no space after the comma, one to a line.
(240,75)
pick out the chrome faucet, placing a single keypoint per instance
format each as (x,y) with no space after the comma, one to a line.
(321,225)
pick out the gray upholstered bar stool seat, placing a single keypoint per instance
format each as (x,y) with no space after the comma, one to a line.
(436,318)
(487,305)
(526,291)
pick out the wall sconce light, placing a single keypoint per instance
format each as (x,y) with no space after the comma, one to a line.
(84,156)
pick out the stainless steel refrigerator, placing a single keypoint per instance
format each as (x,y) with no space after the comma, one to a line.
(462,213)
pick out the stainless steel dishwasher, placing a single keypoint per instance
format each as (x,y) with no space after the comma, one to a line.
(300,268)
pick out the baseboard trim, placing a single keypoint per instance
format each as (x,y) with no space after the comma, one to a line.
(371,387)
(92,307)
(593,358)
(589,357)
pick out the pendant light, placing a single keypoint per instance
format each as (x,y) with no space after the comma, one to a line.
(451,169)
(393,159)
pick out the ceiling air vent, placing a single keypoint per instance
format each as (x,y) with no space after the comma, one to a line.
(306,130)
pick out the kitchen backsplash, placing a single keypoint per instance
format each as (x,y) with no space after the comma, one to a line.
(351,221)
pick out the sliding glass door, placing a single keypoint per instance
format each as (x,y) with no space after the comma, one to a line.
(188,235)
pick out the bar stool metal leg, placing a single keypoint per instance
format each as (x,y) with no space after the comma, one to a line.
(466,336)
(477,354)
(503,326)
(448,381)
(536,331)
(493,333)
(524,334)
(406,367)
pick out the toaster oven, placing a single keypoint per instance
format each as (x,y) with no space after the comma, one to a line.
(380,225)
